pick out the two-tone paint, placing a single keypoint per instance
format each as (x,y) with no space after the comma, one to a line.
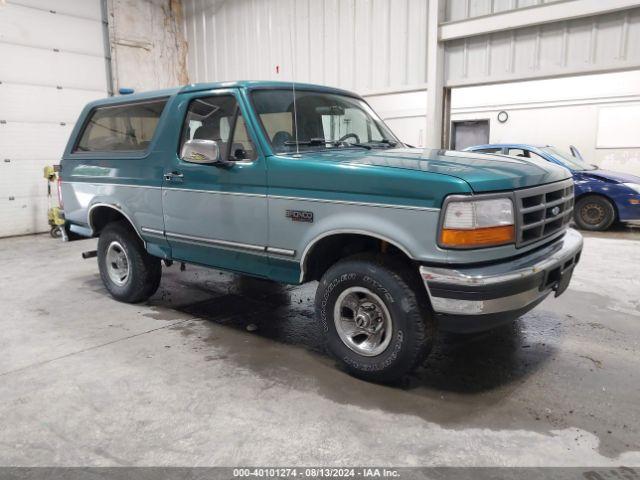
(235,217)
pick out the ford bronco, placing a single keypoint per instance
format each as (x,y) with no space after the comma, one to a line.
(300,183)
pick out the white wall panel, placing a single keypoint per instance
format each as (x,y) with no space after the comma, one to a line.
(34,27)
(362,45)
(417,49)
(52,64)
(22,185)
(76,8)
(36,66)
(28,103)
(25,149)
(23,215)
(409,130)
(31,140)
(404,114)
(619,127)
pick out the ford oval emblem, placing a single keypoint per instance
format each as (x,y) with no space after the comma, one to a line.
(555,211)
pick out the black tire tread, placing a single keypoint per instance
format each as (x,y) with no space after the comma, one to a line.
(146,270)
(425,330)
(416,302)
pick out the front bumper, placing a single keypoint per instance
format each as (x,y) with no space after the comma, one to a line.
(478,298)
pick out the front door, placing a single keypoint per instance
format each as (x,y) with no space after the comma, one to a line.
(217,215)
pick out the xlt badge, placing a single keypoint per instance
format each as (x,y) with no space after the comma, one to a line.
(300,215)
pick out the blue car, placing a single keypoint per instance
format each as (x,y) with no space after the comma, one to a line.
(601,196)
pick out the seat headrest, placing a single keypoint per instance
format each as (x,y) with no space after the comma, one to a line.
(279,138)
(207,132)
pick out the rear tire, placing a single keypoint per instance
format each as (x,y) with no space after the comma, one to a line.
(128,272)
(376,317)
(594,213)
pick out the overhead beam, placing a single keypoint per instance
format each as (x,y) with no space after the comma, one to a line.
(587,69)
(529,16)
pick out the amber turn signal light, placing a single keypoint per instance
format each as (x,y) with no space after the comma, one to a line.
(479,237)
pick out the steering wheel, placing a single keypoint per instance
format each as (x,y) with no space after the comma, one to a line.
(349,135)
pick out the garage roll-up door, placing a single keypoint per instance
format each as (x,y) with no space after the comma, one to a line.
(52,63)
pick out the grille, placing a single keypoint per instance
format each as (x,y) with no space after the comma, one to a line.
(543,211)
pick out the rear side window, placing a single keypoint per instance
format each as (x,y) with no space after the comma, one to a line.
(121,128)
(519,152)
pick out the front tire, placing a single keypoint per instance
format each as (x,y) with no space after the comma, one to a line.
(375,316)
(128,272)
(594,213)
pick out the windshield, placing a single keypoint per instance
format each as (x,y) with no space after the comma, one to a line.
(323,121)
(568,160)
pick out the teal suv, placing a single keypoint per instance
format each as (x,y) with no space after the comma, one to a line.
(308,184)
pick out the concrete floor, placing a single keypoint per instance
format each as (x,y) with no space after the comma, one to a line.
(85,380)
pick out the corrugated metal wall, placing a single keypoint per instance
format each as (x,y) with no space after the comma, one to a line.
(373,45)
(362,45)
(379,47)
(52,63)
(464,9)
(598,43)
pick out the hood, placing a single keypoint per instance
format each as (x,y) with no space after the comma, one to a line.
(483,172)
(609,176)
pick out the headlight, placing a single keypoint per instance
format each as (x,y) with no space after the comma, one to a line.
(633,186)
(478,223)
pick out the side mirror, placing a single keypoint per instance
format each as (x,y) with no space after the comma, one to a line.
(204,152)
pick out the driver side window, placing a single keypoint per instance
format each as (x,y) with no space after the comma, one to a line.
(518,152)
(242,147)
(219,118)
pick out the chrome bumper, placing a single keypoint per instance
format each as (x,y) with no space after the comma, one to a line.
(513,286)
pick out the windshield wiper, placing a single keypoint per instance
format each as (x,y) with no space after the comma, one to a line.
(385,141)
(361,145)
(316,142)
(312,142)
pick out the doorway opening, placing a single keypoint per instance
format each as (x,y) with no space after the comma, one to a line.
(466,133)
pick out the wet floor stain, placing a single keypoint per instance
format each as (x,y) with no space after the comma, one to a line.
(549,371)
(484,380)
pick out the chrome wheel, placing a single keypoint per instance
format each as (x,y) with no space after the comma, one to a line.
(363,321)
(117,263)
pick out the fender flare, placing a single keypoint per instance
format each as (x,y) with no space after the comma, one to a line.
(345,231)
(118,209)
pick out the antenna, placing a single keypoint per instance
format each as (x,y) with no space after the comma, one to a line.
(293,86)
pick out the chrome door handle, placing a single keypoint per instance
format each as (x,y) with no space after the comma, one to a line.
(171,175)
